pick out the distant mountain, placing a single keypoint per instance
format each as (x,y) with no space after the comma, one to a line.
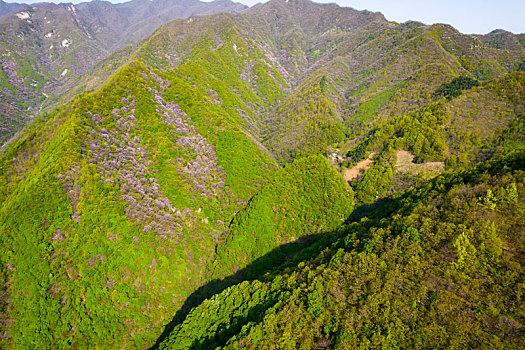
(295,174)
(45,46)
(117,25)
(343,69)
(7,7)
(502,39)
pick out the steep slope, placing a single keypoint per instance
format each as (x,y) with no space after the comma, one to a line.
(305,198)
(41,48)
(387,75)
(366,67)
(153,190)
(181,41)
(361,56)
(125,193)
(136,185)
(443,269)
(302,33)
(46,47)
(480,123)
(217,52)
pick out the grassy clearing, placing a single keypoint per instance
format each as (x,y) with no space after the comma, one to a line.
(405,163)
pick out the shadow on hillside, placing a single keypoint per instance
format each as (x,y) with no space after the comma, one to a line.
(378,209)
(277,260)
(287,255)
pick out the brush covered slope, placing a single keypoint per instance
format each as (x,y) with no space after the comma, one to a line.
(442,268)
(366,66)
(305,198)
(127,192)
(154,211)
(46,47)
(340,71)
(447,133)
(123,197)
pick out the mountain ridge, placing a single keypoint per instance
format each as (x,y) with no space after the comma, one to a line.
(65,78)
(47,46)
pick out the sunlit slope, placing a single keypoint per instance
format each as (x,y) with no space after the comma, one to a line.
(443,268)
(113,202)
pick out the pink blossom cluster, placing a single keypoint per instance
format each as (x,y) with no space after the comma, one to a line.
(123,162)
(202,169)
(72,189)
(268,53)
(10,69)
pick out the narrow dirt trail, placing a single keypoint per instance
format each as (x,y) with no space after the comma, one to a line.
(354,172)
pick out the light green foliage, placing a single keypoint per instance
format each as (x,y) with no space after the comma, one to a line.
(222,316)
(419,132)
(112,277)
(125,209)
(368,110)
(306,197)
(441,132)
(305,123)
(84,268)
(375,184)
(511,193)
(488,200)
(512,137)
(465,251)
(430,274)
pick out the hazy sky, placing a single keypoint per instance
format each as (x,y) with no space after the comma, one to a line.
(468,16)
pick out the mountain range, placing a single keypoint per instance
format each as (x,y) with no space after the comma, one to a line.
(46,47)
(290,175)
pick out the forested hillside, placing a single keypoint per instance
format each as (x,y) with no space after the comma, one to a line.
(295,175)
(440,268)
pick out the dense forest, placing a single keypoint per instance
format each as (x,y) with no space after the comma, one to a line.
(294,175)
(437,266)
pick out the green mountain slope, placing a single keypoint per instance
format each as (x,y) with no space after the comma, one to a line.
(45,48)
(366,67)
(443,269)
(127,187)
(137,183)
(473,127)
(306,197)
(151,209)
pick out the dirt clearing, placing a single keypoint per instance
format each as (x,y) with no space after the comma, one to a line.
(405,163)
(354,172)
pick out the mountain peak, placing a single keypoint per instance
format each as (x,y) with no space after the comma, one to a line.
(500,31)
